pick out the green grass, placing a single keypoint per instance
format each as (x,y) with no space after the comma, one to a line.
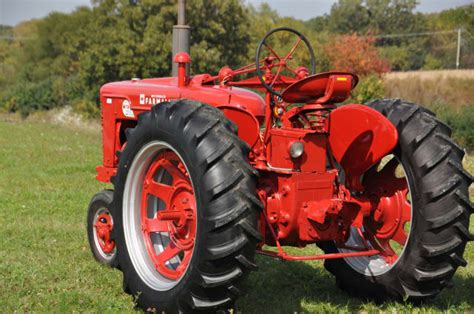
(46,181)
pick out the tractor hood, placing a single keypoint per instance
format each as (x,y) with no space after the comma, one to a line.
(143,94)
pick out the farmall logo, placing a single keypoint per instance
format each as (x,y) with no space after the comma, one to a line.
(152,99)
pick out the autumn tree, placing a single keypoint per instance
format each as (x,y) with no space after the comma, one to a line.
(355,54)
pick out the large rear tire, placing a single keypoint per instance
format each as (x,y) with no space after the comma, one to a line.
(186,210)
(440,211)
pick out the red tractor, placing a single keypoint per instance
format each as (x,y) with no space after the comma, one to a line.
(207,173)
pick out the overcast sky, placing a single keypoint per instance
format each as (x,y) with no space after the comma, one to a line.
(14,11)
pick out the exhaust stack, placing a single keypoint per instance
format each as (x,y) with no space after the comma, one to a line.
(181,33)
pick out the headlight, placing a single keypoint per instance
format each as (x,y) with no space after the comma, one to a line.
(296,149)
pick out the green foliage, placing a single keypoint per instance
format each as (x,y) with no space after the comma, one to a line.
(369,88)
(460,119)
(398,56)
(68,51)
(407,57)
(432,63)
(443,47)
(27,97)
(88,109)
(220,33)
(376,16)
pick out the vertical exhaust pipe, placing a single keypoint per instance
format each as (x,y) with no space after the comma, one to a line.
(181,33)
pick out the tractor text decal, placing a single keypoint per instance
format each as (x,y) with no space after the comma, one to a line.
(152,99)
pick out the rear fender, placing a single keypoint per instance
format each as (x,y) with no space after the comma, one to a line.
(359,137)
(248,125)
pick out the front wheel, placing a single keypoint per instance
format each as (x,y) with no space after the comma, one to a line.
(99,228)
(186,210)
(421,223)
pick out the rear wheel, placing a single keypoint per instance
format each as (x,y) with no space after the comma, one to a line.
(421,224)
(186,210)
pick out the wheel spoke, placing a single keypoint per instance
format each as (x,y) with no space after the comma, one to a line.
(185,260)
(276,75)
(156,225)
(160,190)
(272,51)
(400,236)
(290,68)
(293,49)
(174,171)
(168,253)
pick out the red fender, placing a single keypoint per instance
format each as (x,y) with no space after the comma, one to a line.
(249,127)
(359,137)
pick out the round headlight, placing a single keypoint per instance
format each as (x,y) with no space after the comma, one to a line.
(296,149)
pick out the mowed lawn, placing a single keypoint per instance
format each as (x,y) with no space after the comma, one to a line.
(46,181)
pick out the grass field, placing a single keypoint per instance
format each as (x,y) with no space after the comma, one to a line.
(46,181)
(431,75)
(432,88)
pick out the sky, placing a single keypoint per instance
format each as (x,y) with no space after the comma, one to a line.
(15,11)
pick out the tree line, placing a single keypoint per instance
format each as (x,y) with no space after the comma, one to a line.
(63,59)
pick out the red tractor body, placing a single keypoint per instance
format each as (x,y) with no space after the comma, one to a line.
(300,195)
(122,102)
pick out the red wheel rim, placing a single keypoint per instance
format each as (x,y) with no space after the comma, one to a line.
(386,226)
(103,227)
(168,210)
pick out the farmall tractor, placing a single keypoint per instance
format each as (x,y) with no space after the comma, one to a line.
(207,173)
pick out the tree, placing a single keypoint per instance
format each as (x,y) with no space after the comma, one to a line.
(72,55)
(377,16)
(349,16)
(356,54)
(220,34)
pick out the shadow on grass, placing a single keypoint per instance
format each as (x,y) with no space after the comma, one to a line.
(289,287)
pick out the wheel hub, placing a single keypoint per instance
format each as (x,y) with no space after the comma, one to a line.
(181,219)
(392,212)
(103,226)
(168,215)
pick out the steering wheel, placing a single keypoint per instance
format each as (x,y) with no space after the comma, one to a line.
(281,62)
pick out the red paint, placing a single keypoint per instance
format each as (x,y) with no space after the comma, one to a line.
(303,200)
(103,227)
(182,59)
(287,257)
(392,208)
(329,87)
(177,218)
(359,138)
(249,127)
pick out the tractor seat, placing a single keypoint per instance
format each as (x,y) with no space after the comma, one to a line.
(326,87)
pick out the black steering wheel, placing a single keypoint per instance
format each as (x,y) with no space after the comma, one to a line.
(281,62)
